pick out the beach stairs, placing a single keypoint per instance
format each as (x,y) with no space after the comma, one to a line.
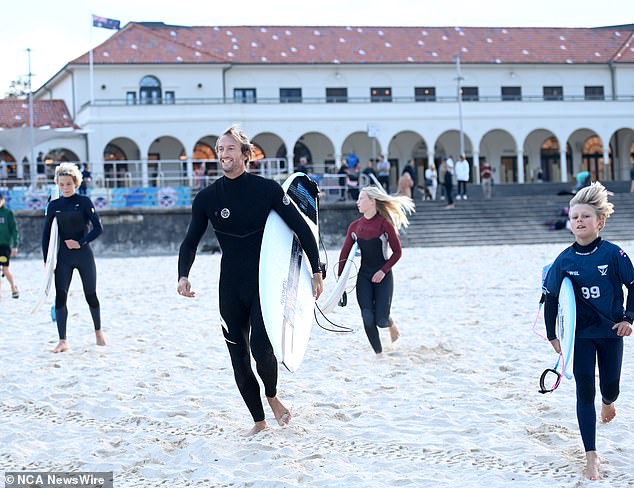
(507,219)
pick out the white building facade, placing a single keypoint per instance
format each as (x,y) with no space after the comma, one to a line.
(534,103)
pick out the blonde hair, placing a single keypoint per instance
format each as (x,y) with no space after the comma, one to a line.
(392,208)
(68,169)
(596,196)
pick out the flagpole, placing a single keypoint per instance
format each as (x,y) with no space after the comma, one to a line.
(92,71)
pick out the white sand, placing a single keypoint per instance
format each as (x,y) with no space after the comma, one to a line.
(453,403)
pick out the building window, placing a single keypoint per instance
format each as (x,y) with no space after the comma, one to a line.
(470,94)
(244,95)
(336,95)
(130,98)
(381,94)
(169,97)
(290,95)
(553,93)
(594,93)
(511,93)
(150,90)
(425,94)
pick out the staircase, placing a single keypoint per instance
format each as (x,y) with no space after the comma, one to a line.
(506,220)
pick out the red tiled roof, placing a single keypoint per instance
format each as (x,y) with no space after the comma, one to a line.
(46,113)
(158,43)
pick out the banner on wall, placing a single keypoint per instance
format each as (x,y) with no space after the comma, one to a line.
(107,198)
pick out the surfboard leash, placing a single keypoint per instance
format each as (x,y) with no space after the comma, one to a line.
(543,383)
(339,328)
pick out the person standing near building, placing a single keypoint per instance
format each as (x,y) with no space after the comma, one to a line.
(377,229)
(9,239)
(383,172)
(632,177)
(599,270)
(431,179)
(238,205)
(447,170)
(486,178)
(462,176)
(75,215)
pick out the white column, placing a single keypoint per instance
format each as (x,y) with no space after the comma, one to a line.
(190,171)
(520,166)
(606,164)
(476,167)
(144,173)
(562,165)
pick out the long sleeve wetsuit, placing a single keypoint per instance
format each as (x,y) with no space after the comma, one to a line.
(375,299)
(598,272)
(75,215)
(238,209)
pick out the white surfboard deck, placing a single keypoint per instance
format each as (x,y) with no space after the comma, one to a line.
(566,323)
(285,283)
(331,300)
(51,260)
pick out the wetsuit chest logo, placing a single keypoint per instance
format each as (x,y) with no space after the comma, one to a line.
(286,200)
(225,213)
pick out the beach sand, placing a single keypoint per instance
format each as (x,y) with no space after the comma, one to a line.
(453,403)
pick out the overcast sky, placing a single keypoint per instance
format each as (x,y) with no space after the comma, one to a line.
(59,31)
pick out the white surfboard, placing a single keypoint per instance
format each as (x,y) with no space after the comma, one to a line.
(330,301)
(285,276)
(566,323)
(51,260)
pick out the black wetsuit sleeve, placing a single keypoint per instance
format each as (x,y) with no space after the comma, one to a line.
(551,305)
(296,222)
(46,232)
(195,232)
(90,214)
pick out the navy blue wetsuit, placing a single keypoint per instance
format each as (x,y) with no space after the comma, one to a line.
(375,299)
(598,272)
(75,215)
(238,209)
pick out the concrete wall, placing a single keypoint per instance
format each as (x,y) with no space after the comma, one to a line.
(142,232)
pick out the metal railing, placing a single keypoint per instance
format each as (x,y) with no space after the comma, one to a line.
(148,173)
(119,102)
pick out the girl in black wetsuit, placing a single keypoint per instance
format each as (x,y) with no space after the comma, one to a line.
(383,215)
(74,214)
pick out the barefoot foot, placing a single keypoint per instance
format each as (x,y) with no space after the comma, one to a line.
(257,427)
(62,346)
(394,332)
(608,412)
(101,339)
(281,413)
(592,466)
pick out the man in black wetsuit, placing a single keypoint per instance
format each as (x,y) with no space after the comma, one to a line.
(237,205)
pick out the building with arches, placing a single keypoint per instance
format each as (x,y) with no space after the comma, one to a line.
(533,102)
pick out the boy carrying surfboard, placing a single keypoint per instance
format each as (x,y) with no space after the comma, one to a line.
(598,269)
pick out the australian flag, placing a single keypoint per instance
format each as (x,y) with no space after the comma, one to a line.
(105,23)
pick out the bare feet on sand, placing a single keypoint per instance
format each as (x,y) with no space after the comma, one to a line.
(101,339)
(258,427)
(62,346)
(608,412)
(394,332)
(592,466)
(281,413)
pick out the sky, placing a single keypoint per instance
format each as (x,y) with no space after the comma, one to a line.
(57,32)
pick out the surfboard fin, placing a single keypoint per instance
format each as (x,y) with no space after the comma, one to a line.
(343,301)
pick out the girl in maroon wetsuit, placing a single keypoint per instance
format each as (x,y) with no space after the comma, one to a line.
(377,230)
